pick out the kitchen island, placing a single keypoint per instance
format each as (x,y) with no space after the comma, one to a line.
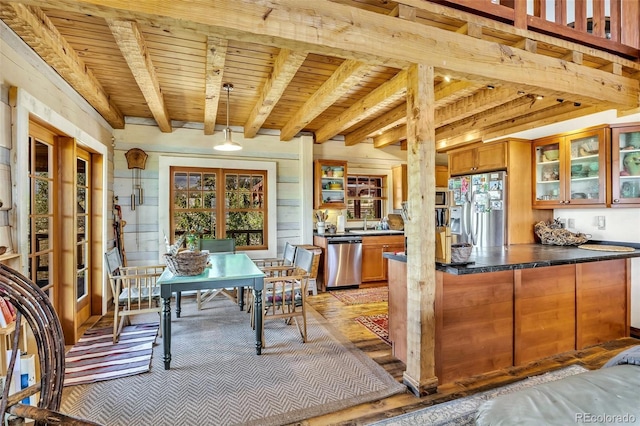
(518,304)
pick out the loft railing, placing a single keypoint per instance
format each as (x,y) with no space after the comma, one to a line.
(610,25)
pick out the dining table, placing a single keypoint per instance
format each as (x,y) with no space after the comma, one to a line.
(223,270)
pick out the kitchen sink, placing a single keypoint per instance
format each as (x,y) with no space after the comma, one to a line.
(374,232)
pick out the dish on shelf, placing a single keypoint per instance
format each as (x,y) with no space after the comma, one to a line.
(551,154)
(335,186)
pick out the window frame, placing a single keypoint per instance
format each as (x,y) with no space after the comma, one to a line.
(221,209)
(382,198)
(164,181)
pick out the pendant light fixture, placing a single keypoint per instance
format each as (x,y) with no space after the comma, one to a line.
(228,144)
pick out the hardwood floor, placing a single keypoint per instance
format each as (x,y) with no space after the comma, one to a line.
(342,316)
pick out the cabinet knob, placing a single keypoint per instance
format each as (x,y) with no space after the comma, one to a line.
(616,200)
(568,201)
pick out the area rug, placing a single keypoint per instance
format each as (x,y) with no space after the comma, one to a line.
(378,324)
(462,411)
(95,357)
(362,295)
(216,378)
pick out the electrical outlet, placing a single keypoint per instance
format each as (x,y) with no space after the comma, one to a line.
(601,222)
(571,223)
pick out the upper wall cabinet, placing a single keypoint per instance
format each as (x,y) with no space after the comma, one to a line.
(330,184)
(625,165)
(570,170)
(481,158)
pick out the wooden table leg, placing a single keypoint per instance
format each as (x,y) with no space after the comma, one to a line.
(166,331)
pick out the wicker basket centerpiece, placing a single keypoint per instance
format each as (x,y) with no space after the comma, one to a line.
(552,233)
(186,263)
(460,252)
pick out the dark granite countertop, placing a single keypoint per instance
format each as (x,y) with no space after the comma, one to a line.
(359,233)
(524,256)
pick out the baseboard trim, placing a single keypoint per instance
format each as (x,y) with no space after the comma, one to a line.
(635,332)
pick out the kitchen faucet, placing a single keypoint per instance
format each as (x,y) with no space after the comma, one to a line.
(365,223)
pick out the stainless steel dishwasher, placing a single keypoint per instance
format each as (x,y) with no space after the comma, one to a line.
(344,261)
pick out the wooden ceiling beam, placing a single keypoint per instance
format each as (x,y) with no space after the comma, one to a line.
(551,115)
(377,100)
(330,28)
(390,137)
(348,74)
(445,93)
(134,50)
(216,58)
(380,124)
(520,106)
(33,26)
(480,101)
(543,117)
(285,67)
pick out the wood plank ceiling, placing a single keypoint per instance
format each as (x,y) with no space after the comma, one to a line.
(131,64)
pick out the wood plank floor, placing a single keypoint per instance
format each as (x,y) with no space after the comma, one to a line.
(342,316)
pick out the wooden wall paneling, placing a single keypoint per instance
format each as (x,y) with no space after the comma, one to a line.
(544,314)
(476,320)
(602,291)
(521,218)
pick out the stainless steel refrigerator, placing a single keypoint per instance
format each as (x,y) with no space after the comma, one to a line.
(478,210)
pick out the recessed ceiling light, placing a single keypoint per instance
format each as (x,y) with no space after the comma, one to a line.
(539,97)
(447,78)
(490,87)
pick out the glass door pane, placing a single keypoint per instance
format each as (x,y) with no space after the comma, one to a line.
(585,165)
(41,172)
(629,171)
(82,221)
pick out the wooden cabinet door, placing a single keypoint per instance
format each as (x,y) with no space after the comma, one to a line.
(544,312)
(490,157)
(399,176)
(373,267)
(602,291)
(462,162)
(330,184)
(625,169)
(586,168)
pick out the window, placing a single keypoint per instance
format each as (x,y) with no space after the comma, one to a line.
(220,203)
(365,196)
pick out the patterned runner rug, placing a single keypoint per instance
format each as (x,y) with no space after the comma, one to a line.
(362,295)
(95,357)
(216,378)
(378,324)
(461,412)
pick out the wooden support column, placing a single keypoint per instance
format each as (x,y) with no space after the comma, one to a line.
(420,231)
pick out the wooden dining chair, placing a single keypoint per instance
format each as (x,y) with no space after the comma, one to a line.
(217,245)
(276,266)
(284,297)
(134,288)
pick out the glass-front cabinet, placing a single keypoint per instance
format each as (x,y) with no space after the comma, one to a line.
(570,169)
(625,165)
(330,184)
